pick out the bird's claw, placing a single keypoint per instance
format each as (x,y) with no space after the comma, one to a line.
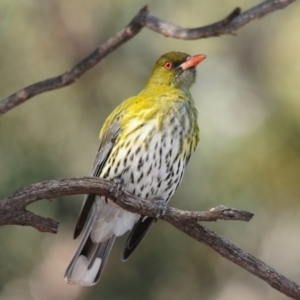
(118,187)
(161,204)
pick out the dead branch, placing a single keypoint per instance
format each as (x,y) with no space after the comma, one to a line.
(13,208)
(144,18)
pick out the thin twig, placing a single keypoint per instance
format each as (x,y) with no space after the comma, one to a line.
(243,259)
(144,18)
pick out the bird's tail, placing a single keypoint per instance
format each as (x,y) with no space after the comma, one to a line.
(89,260)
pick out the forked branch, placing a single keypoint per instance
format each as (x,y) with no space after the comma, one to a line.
(144,18)
(13,208)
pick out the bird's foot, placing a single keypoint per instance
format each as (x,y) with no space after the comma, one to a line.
(118,187)
(162,207)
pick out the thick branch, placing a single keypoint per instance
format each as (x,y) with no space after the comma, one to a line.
(13,208)
(183,220)
(143,19)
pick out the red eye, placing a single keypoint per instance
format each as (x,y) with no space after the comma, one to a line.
(168,65)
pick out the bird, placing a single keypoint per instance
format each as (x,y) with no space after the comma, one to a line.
(146,142)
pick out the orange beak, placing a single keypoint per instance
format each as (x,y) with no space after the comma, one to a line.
(192,61)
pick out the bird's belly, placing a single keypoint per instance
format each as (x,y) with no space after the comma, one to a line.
(151,167)
(153,178)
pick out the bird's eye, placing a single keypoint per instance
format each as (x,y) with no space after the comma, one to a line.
(168,65)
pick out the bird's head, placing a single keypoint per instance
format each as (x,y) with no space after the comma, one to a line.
(176,69)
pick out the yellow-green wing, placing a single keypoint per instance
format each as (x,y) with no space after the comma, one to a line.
(106,144)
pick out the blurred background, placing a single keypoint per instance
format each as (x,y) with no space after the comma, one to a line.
(248,97)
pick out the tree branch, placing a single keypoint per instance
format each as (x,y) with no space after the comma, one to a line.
(13,209)
(238,256)
(144,18)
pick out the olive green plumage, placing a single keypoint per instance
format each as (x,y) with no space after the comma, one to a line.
(146,141)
